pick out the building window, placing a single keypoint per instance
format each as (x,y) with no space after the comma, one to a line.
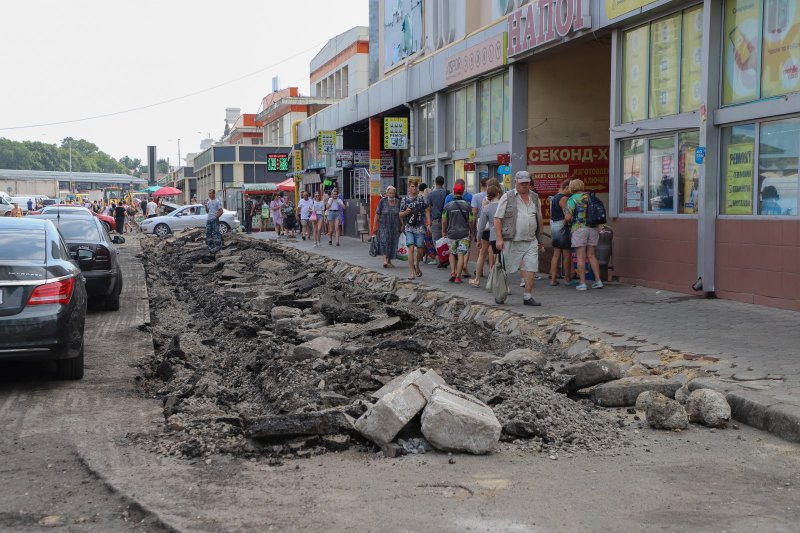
(761,56)
(768,152)
(425,131)
(662,67)
(660,174)
(494,122)
(345,82)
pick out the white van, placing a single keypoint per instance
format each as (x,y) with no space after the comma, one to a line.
(5,204)
(23,202)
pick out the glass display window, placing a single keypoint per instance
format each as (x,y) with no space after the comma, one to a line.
(633,176)
(778,161)
(661,182)
(738,160)
(688,173)
(692,60)
(664,65)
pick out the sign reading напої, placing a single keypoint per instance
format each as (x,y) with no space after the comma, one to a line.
(544,21)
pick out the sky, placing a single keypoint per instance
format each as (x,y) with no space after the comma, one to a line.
(71,59)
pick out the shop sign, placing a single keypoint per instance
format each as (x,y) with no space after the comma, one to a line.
(326,142)
(699,154)
(594,177)
(739,179)
(567,155)
(387,164)
(616,8)
(546,184)
(504,170)
(475,60)
(545,21)
(395,133)
(277,162)
(361,158)
(375,167)
(344,159)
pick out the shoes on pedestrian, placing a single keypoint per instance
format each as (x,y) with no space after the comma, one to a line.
(475,282)
(330,243)
(581,287)
(597,284)
(530,301)
(452,277)
(304,237)
(457,280)
(465,275)
(572,283)
(522,283)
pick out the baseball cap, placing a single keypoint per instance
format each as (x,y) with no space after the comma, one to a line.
(458,188)
(522,175)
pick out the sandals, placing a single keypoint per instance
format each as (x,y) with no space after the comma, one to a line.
(553,283)
(475,282)
(419,272)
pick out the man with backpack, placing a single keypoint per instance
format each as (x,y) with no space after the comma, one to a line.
(584,212)
(436,200)
(457,226)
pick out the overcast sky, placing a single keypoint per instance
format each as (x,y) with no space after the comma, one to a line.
(63,60)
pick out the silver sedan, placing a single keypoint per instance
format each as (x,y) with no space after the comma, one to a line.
(187,217)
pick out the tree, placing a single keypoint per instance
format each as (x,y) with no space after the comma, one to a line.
(35,155)
(162,167)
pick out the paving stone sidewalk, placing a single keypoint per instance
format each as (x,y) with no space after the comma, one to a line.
(758,347)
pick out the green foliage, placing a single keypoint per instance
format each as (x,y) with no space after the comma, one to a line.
(34,155)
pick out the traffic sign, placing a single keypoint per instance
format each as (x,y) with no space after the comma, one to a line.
(504,170)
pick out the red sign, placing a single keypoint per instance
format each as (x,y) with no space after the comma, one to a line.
(567,155)
(544,21)
(594,177)
(546,184)
(503,159)
(469,167)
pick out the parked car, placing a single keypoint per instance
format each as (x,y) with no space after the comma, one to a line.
(108,221)
(100,262)
(42,296)
(185,217)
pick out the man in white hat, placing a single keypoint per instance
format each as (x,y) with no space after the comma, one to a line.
(518,223)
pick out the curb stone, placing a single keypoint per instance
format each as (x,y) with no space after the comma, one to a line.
(752,408)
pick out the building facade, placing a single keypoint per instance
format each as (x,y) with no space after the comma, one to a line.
(341,68)
(283,108)
(684,116)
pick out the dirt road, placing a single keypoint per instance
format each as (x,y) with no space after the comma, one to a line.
(73,451)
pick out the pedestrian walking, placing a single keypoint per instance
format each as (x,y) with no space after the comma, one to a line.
(249,212)
(466,196)
(518,225)
(485,228)
(151,208)
(560,235)
(477,206)
(304,208)
(436,200)
(584,238)
(387,219)
(213,236)
(276,207)
(415,215)
(334,206)
(319,215)
(456,226)
(289,218)
(119,218)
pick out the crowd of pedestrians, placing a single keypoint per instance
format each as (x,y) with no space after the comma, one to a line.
(500,225)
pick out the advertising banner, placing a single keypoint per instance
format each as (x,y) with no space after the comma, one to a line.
(326,142)
(546,185)
(387,164)
(395,133)
(568,155)
(344,159)
(665,51)
(692,63)
(741,49)
(634,75)
(780,66)
(616,8)
(483,57)
(594,177)
(739,179)
(361,158)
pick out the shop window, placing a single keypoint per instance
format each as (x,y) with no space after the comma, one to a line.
(484,118)
(469,140)
(664,168)
(761,56)
(662,67)
(506,108)
(496,97)
(460,119)
(661,190)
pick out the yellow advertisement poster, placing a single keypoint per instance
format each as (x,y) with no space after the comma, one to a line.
(615,8)
(634,75)
(740,51)
(326,141)
(780,65)
(665,51)
(739,179)
(395,133)
(692,62)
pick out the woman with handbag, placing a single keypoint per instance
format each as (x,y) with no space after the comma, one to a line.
(387,218)
(561,235)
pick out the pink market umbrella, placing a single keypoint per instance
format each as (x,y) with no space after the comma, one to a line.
(166,191)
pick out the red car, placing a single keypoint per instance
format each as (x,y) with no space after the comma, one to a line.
(107,221)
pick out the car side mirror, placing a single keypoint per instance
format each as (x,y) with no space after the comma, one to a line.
(82,255)
(116,239)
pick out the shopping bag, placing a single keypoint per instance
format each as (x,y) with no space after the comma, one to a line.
(443,250)
(431,256)
(499,280)
(562,238)
(313,216)
(490,280)
(402,249)
(373,246)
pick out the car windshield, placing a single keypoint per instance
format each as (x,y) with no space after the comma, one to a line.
(78,229)
(22,245)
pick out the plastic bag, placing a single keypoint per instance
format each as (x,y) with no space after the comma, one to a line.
(499,280)
(402,249)
(443,250)
(373,246)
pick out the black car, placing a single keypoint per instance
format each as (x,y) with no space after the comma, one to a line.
(99,260)
(42,296)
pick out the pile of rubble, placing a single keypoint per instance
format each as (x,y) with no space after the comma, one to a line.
(264,354)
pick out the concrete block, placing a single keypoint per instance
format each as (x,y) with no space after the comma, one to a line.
(522,355)
(397,383)
(384,420)
(623,392)
(427,382)
(315,348)
(454,421)
(591,373)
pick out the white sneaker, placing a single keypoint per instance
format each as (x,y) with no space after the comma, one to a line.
(581,287)
(597,284)
(522,283)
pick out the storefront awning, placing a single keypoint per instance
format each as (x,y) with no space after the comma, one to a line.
(310,178)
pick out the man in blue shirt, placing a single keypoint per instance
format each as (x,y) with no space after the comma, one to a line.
(466,196)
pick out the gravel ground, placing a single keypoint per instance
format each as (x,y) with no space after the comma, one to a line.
(221,360)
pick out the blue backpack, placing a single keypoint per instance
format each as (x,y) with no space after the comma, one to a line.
(595,211)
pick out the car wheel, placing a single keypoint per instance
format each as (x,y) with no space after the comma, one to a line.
(112,302)
(107,226)
(70,368)
(224,228)
(162,230)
